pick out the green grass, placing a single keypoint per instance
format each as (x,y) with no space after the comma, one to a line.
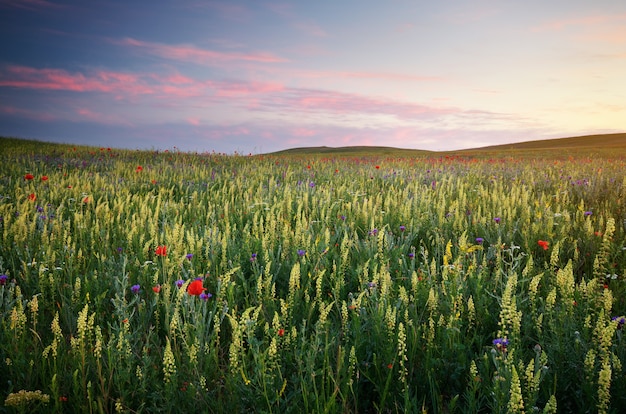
(349,281)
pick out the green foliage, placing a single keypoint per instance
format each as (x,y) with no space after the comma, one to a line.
(351,283)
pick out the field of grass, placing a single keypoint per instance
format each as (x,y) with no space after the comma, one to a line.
(326,282)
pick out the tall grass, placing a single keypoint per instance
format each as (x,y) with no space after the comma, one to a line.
(347,284)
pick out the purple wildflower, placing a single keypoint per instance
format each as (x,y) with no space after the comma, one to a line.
(189,256)
(501,343)
(135,289)
(479,240)
(3,279)
(180,283)
(205,296)
(402,228)
(497,220)
(301,252)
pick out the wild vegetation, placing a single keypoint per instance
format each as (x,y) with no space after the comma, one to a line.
(162,281)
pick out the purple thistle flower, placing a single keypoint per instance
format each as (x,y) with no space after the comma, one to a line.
(253,257)
(479,240)
(588,213)
(189,256)
(180,283)
(3,279)
(205,296)
(497,220)
(500,343)
(135,289)
(402,228)
(301,252)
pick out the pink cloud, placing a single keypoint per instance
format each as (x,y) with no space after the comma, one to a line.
(193,121)
(190,53)
(307,100)
(59,79)
(304,132)
(120,83)
(231,88)
(398,77)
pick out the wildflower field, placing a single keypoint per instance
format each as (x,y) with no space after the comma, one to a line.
(145,281)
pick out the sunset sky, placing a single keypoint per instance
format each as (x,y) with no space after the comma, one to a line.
(260,76)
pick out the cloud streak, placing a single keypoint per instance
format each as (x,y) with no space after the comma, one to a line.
(183,97)
(193,54)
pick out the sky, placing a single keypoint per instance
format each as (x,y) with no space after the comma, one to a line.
(257,76)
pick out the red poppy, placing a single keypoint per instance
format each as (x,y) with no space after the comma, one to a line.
(543,244)
(281,332)
(161,251)
(378,167)
(86,200)
(29,176)
(156,289)
(44,178)
(32,197)
(139,168)
(195,288)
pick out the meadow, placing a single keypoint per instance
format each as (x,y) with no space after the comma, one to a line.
(328,282)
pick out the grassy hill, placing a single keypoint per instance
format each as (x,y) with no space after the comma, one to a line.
(353,151)
(602,145)
(593,143)
(605,145)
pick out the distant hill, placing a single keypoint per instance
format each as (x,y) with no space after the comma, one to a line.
(609,145)
(614,141)
(604,144)
(352,151)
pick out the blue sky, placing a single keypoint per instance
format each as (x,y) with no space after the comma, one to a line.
(260,76)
